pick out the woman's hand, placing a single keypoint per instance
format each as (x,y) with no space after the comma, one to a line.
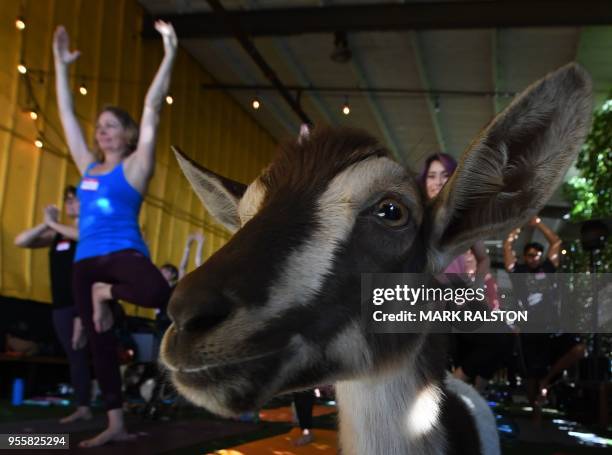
(51,215)
(166,30)
(534,221)
(61,47)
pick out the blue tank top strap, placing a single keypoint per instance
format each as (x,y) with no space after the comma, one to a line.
(90,166)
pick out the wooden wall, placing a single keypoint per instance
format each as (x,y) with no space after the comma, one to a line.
(116,65)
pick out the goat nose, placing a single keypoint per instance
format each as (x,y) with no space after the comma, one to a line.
(198,315)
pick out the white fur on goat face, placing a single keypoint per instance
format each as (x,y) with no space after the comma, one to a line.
(305,281)
(308,267)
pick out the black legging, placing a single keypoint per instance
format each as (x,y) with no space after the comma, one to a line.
(304,402)
(63,322)
(134,279)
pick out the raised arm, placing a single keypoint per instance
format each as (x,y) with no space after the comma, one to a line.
(554,241)
(37,237)
(198,256)
(509,254)
(141,164)
(63,57)
(182,269)
(52,221)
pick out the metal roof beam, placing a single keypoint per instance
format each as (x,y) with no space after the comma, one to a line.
(432,103)
(294,65)
(248,46)
(392,17)
(377,110)
(238,67)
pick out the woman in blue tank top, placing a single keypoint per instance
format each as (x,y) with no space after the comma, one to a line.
(112,260)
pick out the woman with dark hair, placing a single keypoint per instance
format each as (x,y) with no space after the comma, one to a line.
(61,239)
(112,260)
(437,169)
(476,356)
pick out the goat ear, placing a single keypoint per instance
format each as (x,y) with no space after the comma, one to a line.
(510,171)
(219,195)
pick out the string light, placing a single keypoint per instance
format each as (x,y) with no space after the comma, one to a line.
(22,68)
(39,143)
(83,89)
(33,114)
(169,99)
(256,103)
(346,110)
(20,23)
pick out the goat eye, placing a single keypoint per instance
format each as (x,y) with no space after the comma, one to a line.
(391,212)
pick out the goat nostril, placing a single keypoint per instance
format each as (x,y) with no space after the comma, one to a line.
(205,322)
(198,315)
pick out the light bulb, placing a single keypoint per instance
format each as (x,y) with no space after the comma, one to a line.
(38,143)
(169,99)
(20,23)
(256,104)
(83,90)
(33,115)
(346,110)
(22,68)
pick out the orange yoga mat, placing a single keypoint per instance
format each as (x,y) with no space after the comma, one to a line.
(325,443)
(285,414)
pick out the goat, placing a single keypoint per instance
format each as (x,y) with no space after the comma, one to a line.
(277,308)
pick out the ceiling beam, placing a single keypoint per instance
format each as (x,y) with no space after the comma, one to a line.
(372,99)
(433,100)
(501,96)
(392,17)
(414,92)
(593,47)
(293,63)
(237,65)
(296,67)
(248,46)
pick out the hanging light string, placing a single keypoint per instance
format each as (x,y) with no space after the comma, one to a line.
(41,114)
(47,147)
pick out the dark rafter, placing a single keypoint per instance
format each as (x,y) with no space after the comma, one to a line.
(353,89)
(392,16)
(250,49)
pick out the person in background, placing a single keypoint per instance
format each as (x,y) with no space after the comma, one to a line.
(545,355)
(304,403)
(112,260)
(174,275)
(476,357)
(61,240)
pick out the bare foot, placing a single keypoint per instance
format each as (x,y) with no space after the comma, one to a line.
(306,438)
(108,435)
(79,340)
(82,413)
(102,314)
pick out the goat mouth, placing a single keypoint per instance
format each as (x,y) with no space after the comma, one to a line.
(229,388)
(220,365)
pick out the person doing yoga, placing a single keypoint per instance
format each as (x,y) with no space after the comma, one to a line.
(112,260)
